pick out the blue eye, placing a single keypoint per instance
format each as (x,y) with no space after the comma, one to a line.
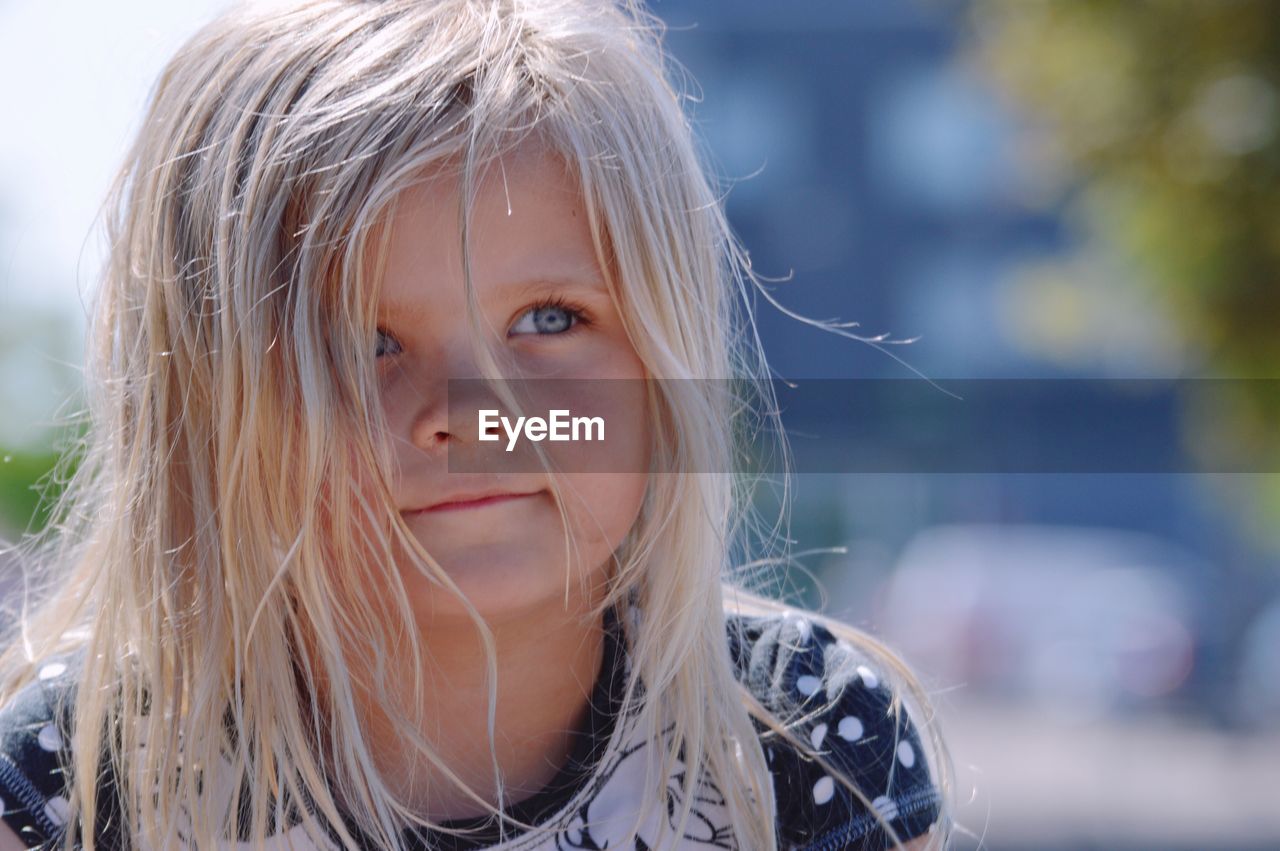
(386,345)
(550,317)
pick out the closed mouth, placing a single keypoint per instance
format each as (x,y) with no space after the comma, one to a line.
(479,502)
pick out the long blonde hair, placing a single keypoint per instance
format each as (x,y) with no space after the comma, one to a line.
(192,554)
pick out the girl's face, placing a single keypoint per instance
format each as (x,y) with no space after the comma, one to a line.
(543,304)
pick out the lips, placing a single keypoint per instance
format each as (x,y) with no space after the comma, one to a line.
(478,500)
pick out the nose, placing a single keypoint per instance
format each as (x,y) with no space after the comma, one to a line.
(430,430)
(446,411)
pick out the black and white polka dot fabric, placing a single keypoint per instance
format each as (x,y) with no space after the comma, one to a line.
(33,733)
(843,709)
(794,666)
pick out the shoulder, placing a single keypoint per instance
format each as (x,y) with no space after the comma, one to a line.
(838,701)
(34,732)
(36,726)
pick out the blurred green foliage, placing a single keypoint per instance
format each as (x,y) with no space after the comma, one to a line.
(21,506)
(39,390)
(1162,118)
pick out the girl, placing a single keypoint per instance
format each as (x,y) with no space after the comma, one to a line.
(270,616)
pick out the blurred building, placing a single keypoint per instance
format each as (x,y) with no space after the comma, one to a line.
(871,165)
(1099,642)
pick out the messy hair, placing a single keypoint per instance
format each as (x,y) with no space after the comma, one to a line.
(232,455)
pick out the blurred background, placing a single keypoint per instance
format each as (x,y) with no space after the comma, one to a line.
(1058,189)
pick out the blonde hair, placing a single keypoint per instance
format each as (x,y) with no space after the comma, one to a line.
(228,358)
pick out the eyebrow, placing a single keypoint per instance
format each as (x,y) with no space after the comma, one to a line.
(516,289)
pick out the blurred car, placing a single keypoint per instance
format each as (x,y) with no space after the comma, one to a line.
(1258,691)
(1081,620)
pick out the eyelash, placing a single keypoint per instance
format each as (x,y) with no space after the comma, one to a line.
(577,311)
(381,335)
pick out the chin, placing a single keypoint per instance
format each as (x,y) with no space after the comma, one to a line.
(500,579)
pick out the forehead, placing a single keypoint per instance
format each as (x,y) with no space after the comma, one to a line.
(527,223)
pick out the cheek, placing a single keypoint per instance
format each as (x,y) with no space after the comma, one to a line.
(352,515)
(602,508)
(606,482)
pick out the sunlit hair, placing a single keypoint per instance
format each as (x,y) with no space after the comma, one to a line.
(234,451)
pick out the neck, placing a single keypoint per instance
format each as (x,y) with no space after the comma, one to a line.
(548,659)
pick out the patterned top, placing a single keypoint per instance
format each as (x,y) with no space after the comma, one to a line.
(793,665)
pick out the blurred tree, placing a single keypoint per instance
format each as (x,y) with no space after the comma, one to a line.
(22,478)
(1163,119)
(39,390)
